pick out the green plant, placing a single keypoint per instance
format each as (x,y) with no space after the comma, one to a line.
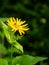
(5,32)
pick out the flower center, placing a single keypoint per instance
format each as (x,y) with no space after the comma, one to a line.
(16,26)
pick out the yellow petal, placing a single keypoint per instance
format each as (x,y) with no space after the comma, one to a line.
(24,25)
(22,22)
(14,20)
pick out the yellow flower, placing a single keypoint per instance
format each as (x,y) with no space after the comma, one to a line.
(17,25)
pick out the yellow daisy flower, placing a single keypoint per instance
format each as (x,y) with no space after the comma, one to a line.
(17,25)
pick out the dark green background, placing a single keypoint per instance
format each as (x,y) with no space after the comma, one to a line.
(36,14)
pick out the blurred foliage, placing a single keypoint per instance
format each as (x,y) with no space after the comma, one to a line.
(36,13)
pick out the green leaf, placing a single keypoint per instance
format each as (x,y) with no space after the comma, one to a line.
(18,37)
(3,19)
(27,60)
(3,49)
(3,62)
(11,37)
(38,59)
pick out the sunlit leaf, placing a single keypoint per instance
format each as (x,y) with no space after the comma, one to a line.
(27,60)
(3,19)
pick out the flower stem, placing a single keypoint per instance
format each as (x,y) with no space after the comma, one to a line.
(11,54)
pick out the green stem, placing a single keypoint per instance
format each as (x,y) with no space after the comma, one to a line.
(11,54)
